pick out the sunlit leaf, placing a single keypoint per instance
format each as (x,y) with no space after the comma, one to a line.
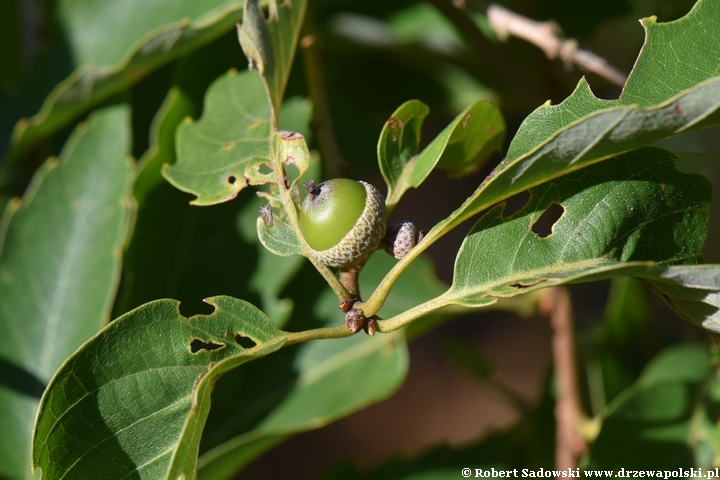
(677,56)
(664,97)
(224,150)
(399,143)
(634,208)
(270,43)
(133,401)
(460,148)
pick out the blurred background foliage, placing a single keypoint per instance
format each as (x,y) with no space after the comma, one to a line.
(478,391)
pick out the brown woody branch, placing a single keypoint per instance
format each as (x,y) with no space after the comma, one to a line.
(546,36)
(570,444)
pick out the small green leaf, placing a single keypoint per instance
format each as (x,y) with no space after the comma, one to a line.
(272,272)
(399,143)
(133,401)
(461,148)
(476,133)
(223,151)
(634,208)
(59,268)
(270,44)
(116,47)
(273,225)
(277,225)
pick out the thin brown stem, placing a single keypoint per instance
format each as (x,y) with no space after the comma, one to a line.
(570,444)
(321,123)
(349,279)
(545,35)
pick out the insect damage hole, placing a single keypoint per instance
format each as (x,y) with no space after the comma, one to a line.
(232,179)
(197,346)
(544,224)
(243,341)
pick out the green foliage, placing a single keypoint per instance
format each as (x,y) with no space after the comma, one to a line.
(108,62)
(170,389)
(53,299)
(649,425)
(222,152)
(461,148)
(680,46)
(653,225)
(109,390)
(270,44)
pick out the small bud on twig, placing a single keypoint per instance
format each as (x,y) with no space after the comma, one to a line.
(401,238)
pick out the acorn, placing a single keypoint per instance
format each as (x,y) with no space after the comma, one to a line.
(343,221)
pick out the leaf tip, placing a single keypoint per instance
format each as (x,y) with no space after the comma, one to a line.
(211,301)
(648,21)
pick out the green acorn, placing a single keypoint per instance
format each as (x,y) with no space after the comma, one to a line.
(343,221)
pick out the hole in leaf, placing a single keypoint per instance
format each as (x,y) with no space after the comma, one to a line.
(245,342)
(265,169)
(232,179)
(197,346)
(292,172)
(191,307)
(516,203)
(544,225)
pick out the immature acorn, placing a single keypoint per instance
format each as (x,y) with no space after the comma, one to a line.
(343,221)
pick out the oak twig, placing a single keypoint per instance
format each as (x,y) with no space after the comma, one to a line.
(570,444)
(545,35)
